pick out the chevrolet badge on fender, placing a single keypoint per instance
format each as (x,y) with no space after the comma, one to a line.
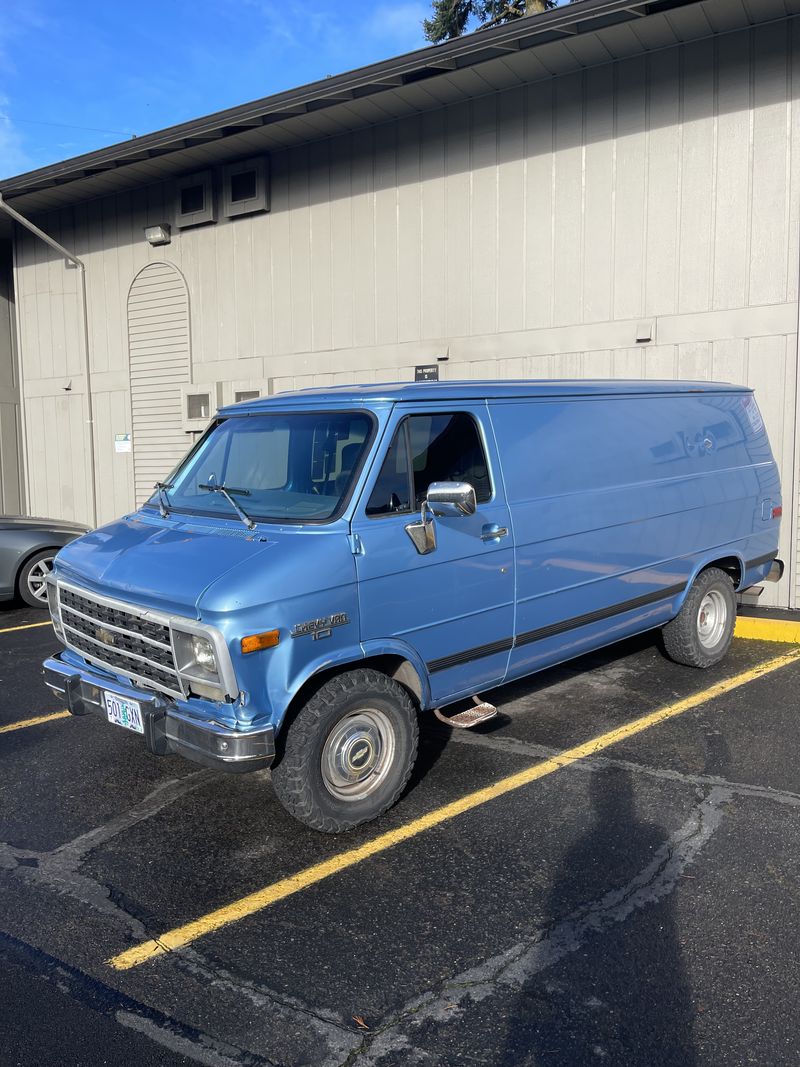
(319,627)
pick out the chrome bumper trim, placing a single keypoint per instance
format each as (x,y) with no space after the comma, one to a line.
(166,728)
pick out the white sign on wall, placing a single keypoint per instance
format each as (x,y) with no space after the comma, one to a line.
(122,442)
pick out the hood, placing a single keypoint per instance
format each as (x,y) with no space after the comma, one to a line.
(29,522)
(156,563)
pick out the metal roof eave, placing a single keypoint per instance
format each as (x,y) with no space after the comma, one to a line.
(581,17)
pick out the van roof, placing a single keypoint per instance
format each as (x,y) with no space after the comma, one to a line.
(416,392)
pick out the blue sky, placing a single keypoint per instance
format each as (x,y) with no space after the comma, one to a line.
(117,68)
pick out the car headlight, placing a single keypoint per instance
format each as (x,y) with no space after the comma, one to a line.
(204,654)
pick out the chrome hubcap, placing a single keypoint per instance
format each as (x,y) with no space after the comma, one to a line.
(358,753)
(712,618)
(37,578)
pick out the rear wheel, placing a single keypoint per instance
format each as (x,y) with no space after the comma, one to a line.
(701,632)
(348,753)
(32,579)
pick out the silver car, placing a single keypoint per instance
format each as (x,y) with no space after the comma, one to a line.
(27,548)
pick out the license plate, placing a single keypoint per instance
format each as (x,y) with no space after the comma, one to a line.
(124,712)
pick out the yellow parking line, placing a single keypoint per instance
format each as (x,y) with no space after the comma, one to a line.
(263,898)
(25,723)
(759,629)
(27,626)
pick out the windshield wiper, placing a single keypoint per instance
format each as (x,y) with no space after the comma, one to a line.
(163,499)
(226,491)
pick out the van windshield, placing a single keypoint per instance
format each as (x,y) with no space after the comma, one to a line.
(278,467)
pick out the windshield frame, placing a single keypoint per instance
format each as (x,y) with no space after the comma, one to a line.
(369,442)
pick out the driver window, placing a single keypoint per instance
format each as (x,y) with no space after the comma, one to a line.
(430,448)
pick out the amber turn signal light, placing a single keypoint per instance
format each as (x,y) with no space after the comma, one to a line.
(254,642)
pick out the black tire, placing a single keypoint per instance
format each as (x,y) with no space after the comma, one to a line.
(701,633)
(31,576)
(361,724)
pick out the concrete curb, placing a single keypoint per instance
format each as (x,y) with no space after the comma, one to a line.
(760,629)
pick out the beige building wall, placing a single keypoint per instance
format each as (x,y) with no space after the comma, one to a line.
(534,232)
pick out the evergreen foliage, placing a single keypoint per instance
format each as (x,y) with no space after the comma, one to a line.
(449,18)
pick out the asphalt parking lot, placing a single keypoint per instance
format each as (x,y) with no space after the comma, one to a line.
(607,873)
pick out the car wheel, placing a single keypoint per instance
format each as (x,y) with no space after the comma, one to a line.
(701,632)
(32,579)
(348,753)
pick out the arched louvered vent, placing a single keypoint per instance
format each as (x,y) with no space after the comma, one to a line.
(160,363)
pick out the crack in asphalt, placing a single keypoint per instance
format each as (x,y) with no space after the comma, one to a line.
(196,964)
(590,764)
(58,869)
(546,946)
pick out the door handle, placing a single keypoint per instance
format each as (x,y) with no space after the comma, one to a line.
(492,532)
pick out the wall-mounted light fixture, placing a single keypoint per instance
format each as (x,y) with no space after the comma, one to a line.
(158,235)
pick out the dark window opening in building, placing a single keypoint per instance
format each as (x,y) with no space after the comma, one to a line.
(243,186)
(193,199)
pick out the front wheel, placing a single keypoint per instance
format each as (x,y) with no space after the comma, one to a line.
(701,632)
(348,753)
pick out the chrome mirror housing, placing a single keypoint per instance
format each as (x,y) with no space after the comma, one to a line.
(423,533)
(451,498)
(444,498)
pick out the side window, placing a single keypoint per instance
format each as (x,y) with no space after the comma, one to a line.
(447,448)
(431,448)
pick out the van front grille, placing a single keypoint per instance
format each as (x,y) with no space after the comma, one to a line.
(125,642)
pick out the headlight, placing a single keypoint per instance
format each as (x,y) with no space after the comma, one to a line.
(197,664)
(204,654)
(203,662)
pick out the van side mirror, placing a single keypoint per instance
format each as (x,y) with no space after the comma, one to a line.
(444,498)
(423,532)
(451,498)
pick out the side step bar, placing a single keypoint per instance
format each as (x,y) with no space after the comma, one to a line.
(481,711)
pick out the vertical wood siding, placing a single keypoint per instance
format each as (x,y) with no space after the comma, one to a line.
(526,233)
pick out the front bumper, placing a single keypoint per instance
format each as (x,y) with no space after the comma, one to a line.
(166,729)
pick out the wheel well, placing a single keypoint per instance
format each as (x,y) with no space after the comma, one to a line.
(731,565)
(393,666)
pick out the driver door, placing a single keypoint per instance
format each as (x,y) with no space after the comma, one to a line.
(454,605)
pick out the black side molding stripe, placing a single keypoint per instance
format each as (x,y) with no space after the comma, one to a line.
(544,632)
(471,653)
(601,613)
(760,560)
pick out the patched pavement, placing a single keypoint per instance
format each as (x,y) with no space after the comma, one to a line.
(635,906)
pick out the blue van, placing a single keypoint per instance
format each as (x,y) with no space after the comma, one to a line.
(326,565)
